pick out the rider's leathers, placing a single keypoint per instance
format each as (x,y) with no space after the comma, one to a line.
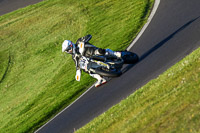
(89,50)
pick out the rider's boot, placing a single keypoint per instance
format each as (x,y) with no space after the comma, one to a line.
(100,80)
(118,54)
(113,53)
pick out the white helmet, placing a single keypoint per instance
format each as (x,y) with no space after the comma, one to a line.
(67,46)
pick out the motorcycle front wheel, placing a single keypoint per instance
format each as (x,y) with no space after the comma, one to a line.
(129,57)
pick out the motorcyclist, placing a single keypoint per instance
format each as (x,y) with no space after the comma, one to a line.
(89,51)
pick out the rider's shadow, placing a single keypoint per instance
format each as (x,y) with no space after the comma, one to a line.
(157,46)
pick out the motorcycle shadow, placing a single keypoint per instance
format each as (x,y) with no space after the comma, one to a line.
(127,67)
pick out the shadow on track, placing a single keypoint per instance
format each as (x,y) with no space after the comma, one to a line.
(157,46)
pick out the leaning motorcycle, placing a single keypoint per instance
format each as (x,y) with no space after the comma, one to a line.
(105,66)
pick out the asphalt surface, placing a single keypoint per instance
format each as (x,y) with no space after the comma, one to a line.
(173,33)
(7,6)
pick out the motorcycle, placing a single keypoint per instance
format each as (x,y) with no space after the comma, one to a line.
(103,65)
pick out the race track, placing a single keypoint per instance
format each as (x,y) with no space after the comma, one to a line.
(7,6)
(172,34)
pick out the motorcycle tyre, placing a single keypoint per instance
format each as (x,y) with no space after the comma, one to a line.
(102,72)
(129,57)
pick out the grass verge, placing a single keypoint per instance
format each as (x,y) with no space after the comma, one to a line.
(37,80)
(169,103)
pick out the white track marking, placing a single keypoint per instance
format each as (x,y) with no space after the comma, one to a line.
(155,7)
(156,4)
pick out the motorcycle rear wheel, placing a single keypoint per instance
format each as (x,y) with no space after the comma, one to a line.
(108,73)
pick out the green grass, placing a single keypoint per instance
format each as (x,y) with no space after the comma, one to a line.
(4,60)
(168,104)
(36,79)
